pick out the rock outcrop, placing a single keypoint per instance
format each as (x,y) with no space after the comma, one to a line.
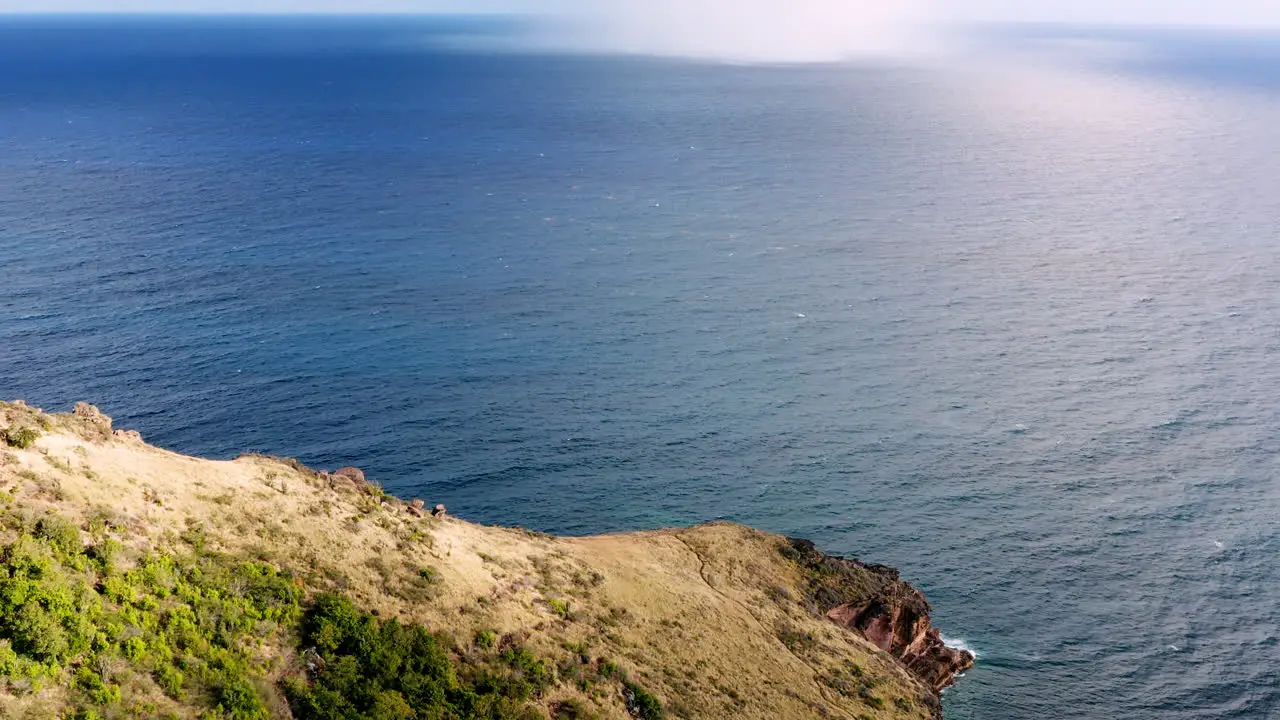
(874,600)
(908,636)
(354,474)
(92,415)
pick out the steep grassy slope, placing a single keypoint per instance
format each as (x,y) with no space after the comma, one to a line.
(137,582)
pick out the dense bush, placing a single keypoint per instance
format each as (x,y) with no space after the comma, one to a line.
(385,670)
(21,438)
(641,704)
(485,639)
(191,622)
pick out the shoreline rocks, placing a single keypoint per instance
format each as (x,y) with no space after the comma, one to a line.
(875,602)
(909,637)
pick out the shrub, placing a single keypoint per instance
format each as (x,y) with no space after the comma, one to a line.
(376,669)
(485,639)
(61,534)
(135,649)
(98,691)
(21,438)
(36,632)
(560,608)
(370,666)
(640,703)
(532,675)
(9,660)
(870,699)
(170,679)
(238,700)
(391,705)
(104,554)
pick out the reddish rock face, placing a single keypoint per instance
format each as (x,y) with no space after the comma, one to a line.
(875,602)
(354,474)
(908,636)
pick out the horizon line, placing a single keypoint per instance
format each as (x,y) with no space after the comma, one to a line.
(1024,25)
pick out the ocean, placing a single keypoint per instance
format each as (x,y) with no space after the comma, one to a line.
(1010,325)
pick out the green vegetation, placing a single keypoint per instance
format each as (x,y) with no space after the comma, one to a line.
(147,634)
(367,668)
(641,704)
(560,608)
(21,438)
(182,625)
(485,639)
(193,626)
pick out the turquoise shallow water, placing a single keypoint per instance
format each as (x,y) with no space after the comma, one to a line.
(1013,331)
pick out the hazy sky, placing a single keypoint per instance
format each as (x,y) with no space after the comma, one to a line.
(766,30)
(1217,12)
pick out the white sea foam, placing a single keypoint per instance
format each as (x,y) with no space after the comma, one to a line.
(960,644)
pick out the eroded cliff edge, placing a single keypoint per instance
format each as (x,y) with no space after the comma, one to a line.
(876,602)
(111,549)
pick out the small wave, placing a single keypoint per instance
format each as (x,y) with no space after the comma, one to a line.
(960,644)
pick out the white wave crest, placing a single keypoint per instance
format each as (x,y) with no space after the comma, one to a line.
(960,644)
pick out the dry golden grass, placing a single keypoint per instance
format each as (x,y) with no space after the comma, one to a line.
(706,618)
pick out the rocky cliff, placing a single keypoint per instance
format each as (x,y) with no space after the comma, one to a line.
(874,601)
(136,582)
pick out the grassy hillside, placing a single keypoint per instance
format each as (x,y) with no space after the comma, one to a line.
(136,582)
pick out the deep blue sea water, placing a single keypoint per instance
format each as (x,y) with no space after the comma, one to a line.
(1011,327)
